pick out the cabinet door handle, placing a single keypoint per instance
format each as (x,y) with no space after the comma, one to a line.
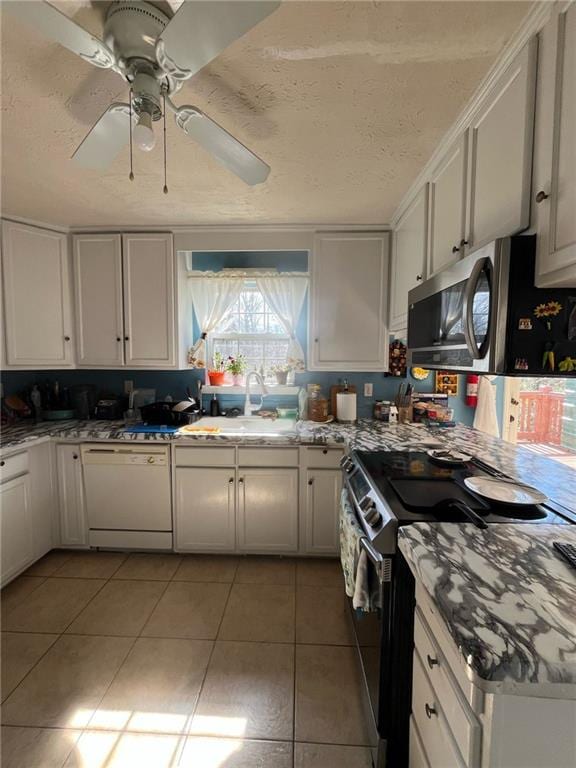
(2,463)
(126,338)
(455,249)
(324,451)
(430,711)
(316,341)
(118,338)
(418,278)
(311,481)
(74,455)
(241,481)
(541,196)
(463,242)
(432,662)
(66,338)
(231,480)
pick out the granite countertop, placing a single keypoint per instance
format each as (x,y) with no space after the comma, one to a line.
(552,478)
(507,599)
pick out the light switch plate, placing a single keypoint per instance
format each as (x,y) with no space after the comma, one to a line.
(368,389)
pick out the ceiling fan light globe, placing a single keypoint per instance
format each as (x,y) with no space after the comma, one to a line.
(143,135)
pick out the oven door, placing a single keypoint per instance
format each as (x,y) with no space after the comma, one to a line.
(452,316)
(385,640)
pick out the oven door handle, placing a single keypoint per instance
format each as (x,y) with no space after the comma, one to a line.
(375,556)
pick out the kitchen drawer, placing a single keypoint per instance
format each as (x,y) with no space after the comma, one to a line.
(437,740)
(463,722)
(12,466)
(211,456)
(429,612)
(267,457)
(418,757)
(321,457)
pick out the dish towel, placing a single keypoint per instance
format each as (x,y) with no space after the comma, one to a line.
(353,559)
(486,417)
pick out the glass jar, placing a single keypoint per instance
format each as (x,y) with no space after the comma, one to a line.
(317,403)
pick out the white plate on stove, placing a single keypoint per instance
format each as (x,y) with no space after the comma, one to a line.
(445,456)
(504,491)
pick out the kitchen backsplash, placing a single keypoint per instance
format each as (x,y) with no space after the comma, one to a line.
(174,383)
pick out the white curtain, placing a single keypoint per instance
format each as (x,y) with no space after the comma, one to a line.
(285,296)
(212,297)
(486,417)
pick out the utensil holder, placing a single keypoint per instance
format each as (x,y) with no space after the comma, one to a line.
(405,414)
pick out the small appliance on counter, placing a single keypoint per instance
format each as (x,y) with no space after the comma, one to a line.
(109,408)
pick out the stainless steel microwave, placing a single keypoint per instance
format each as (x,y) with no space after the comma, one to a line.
(479,315)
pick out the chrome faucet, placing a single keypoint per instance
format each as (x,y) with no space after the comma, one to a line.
(248,407)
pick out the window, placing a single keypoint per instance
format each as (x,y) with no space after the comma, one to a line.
(252,329)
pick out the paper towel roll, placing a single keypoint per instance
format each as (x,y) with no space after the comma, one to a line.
(346,406)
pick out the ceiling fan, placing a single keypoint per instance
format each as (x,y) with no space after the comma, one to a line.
(155,54)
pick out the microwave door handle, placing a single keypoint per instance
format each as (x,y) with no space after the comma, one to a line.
(468,306)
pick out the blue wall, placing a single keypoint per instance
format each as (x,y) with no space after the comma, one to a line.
(174,383)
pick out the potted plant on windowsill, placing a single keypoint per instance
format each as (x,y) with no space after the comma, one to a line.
(236,366)
(281,372)
(218,370)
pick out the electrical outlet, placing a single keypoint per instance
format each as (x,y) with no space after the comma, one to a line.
(128,386)
(368,389)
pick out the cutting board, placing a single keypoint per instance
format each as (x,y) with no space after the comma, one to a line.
(334,389)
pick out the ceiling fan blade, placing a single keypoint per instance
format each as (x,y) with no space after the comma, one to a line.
(230,152)
(201,30)
(106,138)
(56,26)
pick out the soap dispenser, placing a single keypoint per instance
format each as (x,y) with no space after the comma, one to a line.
(214,406)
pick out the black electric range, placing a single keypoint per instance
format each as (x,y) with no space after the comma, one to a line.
(395,488)
(387,490)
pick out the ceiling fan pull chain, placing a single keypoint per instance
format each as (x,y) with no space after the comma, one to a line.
(131,176)
(165,166)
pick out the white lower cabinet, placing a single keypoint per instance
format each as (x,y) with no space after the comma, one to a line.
(456,724)
(43,497)
(205,509)
(267,509)
(323,487)
(17,550)
(72,519)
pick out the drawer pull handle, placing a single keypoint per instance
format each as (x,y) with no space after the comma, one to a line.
(432,662)
(324,451)
(430,711)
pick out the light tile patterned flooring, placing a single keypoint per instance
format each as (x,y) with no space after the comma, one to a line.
(154,661)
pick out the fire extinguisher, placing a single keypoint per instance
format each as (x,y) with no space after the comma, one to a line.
(472,390)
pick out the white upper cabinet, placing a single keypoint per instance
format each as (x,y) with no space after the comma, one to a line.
(408,257)
(448,207)
(348,302)
(98,291)
(149,316)
(500,157)
(554,189)
(37,298)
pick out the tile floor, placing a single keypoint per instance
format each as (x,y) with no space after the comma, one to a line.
(116,661)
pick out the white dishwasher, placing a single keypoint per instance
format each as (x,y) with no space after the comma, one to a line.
(128,495)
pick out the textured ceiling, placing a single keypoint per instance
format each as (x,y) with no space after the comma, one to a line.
(345,100)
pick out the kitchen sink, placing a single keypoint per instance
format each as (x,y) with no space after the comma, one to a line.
(247,425)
